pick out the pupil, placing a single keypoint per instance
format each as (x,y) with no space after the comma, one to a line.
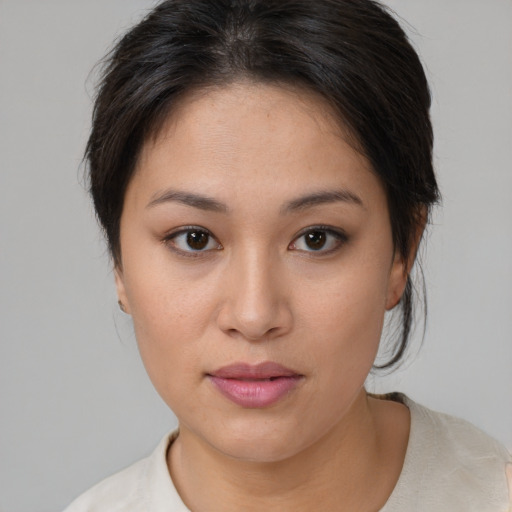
(315,240)
(197,240)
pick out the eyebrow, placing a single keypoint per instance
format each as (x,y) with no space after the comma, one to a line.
(323,197)
(188,199)
(301,203)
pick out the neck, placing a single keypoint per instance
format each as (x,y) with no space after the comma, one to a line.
(341,471)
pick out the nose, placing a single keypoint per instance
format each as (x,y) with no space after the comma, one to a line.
(256,304)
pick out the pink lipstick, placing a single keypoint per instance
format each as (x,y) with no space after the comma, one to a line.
(255,386)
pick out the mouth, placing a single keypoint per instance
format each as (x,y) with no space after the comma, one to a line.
(255,386)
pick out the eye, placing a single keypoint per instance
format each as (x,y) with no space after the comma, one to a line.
(192,240)
(319,239)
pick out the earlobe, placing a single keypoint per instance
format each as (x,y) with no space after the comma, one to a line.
(397,281)
(121,291)
(402,266)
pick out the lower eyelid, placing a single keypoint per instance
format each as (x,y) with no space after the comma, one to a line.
(170,238)
(341,239)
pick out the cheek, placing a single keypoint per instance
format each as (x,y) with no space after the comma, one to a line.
(162,295)
(345,315)
(170,314)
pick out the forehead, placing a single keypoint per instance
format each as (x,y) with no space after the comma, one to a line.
(252,136)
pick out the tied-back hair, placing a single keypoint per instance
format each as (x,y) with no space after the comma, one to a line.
(353,53)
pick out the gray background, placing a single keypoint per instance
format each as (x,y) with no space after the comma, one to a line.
(76,404)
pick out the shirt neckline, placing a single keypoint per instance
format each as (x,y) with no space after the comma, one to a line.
(162,493)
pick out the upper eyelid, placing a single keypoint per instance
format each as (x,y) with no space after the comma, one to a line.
(174,233)
(339,234)
(334,231)
(183,229)
(328,229)
(320,227)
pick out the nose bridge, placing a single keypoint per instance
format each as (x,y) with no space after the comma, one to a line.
(255,304)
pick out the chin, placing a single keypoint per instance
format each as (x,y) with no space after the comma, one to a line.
(258,441)
(259,450)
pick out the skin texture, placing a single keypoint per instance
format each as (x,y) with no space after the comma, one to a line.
(257,293)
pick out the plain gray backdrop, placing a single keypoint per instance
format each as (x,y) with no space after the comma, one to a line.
(76,404)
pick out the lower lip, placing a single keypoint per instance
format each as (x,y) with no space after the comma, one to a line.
(255,394)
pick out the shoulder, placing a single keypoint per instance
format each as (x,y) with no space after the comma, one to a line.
(452,465)
(456,436)
(142,487)
(118,493)
(456,440)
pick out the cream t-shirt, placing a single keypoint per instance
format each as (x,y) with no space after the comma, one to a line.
(450,466)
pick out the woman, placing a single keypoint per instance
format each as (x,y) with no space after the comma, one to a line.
(263,174)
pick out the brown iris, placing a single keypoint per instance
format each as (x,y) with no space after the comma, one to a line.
(197,240)
(315,240)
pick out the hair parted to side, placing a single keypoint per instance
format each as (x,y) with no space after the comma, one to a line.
(353,53)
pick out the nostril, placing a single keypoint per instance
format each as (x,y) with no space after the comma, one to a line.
(253,336)
(248,314)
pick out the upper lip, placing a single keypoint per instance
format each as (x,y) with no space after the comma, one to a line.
(266,370)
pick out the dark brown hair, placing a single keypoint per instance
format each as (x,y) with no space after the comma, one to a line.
(351,52)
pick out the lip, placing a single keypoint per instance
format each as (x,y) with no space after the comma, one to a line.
(255,386)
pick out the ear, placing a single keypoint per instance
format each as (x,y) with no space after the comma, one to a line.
(397,280)
(121,290)
(401,267)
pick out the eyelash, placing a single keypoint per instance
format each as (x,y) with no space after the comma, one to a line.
(169,241)
(340,239)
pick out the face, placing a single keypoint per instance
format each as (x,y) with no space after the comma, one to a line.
(257,263)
